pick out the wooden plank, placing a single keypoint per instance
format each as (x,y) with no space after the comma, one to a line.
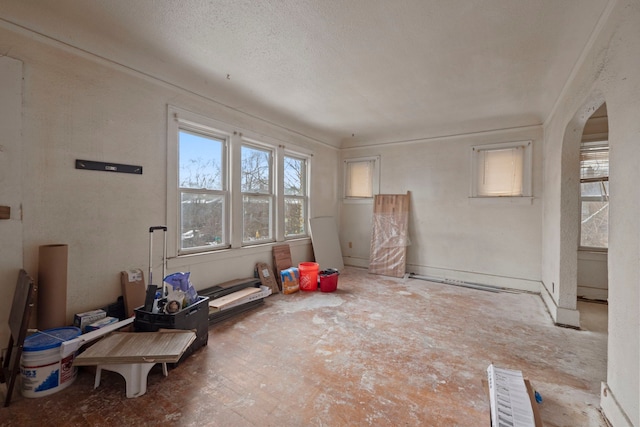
(224,301)
(137,347)
(5,212)
(534,404)
(389,234)
(326,244)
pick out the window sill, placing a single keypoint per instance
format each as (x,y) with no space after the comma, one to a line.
(355,201)
(592,250)
(526,200)
(222,254)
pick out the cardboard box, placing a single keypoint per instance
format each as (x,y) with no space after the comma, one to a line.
(101,323)
(81,320)
(133,289)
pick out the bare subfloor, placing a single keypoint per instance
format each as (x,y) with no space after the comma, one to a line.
(379,351)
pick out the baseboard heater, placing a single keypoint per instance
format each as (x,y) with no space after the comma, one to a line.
(477,286)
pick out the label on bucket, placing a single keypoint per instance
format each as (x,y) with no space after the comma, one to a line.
(41,378)
(67,371)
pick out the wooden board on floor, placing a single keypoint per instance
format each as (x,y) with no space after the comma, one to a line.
(137,347)
(326,244)
(389,235)
(222,302)
(281,261)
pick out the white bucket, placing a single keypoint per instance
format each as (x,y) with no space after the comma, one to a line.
(43,370)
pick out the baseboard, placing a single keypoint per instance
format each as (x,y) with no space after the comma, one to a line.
(593,293)
(561,316)
(356,262)
(611,409)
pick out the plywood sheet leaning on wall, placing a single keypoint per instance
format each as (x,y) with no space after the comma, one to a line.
(389,237)
(281,260)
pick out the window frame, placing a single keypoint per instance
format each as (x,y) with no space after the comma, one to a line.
(304,197)
(375,178)
(270,194)
(177,119)
(601,179)
(527,167)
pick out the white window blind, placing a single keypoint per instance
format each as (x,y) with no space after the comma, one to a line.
(500,172)
(359,178)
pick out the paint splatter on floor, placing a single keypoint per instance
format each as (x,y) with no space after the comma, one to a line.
(377,352)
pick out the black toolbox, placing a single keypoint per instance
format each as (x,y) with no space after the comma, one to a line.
(194,317)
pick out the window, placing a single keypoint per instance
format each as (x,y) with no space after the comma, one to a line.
(202,190)
(594,194)
(257,194)
(228,188)
(295,196)
(501,170)
(361,178)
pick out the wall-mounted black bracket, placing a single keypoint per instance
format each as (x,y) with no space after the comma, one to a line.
(108,167)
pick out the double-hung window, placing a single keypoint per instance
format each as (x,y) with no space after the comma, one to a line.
(257,193)
(228,188)
(295,196)
(594,194)
(202,187)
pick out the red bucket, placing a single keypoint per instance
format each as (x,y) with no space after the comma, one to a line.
(328,280)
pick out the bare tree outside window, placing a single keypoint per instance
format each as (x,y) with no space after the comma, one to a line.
(257,194)
(228,188)
(201,186)
(295,196)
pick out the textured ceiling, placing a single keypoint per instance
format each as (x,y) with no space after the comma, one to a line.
(346,72)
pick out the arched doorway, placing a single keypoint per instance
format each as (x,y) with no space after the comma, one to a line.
(592,271)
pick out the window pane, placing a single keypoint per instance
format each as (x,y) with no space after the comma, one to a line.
(594,169)
(500,172)
(595,224)
(294,216)
(594,164)
(359,179)
(257,218)
(598,189)
(201,220)
(256,170)
(294,176)
(200,160)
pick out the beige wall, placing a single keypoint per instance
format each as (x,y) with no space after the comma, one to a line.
(10,183)
(77,107)
(452,236)
(608,73)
